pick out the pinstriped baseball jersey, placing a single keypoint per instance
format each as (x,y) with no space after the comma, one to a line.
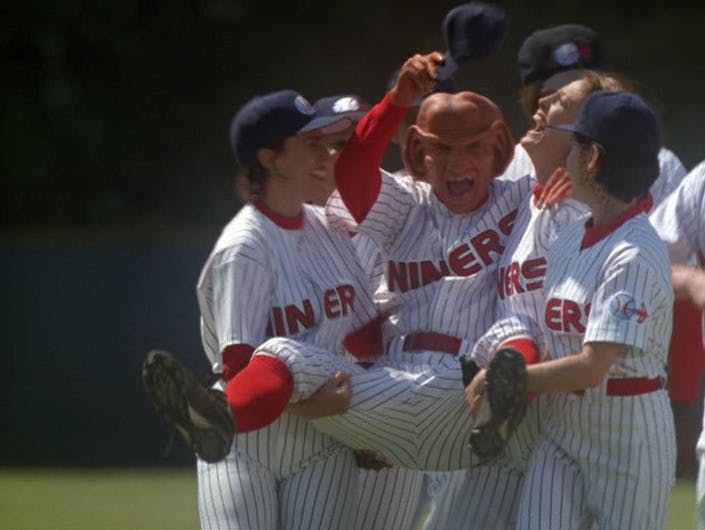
(617,453)
(520,166)
(671,173)
(522,269)
(263,279)
(441,268)
(679,219)
(618,290)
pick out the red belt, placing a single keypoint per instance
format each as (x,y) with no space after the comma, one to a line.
(633,386)
(428,340)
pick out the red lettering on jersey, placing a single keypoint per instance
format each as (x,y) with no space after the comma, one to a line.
(338,301)
(506,223)
(430,273)
(276,326)
(513,283)
(500,284)
(397,277)
(331,303)
(571,316)
(512,279)
(414,274)
(553,315)
(294,317)
(560,315)
(534,269)
(463,262)
(486,242)
(347,298)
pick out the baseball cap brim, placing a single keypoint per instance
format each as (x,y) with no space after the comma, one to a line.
(327,124)
(561,79)
(567,128)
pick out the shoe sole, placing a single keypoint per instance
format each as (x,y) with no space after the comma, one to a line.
(168,383)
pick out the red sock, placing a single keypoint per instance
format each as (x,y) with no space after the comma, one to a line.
(530,351)
(259,393)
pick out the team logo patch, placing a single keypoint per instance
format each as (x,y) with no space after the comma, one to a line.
(303,106)
(346,104)
(623,306)
(566,54)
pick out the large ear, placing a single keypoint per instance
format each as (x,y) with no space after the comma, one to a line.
(267,158)
(413,154)
(504,146)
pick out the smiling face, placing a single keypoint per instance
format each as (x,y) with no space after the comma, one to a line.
(301,170)
(460,143)
(549,148)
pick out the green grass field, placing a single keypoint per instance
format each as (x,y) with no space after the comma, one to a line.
(143,500)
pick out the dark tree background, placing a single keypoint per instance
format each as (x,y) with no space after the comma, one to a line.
(116,172)
(117,113)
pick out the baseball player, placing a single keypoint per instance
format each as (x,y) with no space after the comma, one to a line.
(522,267)
(680,221)
(606,454)
(548,59)
(278,268)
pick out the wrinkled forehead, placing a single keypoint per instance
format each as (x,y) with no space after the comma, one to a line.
(461,116)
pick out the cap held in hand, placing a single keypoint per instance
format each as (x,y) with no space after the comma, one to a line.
(474,30)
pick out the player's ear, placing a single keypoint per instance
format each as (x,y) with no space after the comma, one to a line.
(594,158)
(504,146)
(267,158)
(413,154)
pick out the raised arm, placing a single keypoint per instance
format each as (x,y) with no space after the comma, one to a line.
(357,173)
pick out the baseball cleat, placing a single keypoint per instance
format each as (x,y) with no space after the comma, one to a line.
(202,415)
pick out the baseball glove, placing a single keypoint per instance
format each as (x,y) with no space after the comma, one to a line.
(506,399)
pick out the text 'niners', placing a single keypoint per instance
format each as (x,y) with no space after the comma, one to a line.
(291,319)
(464,260)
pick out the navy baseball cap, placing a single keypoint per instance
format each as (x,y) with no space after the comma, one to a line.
(556,50)
(266,121)
(475,30)
(345,106)
(619,120)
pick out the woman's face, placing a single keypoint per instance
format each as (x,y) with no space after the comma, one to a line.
(304,167)
(549,148)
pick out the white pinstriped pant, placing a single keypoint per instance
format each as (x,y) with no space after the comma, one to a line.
(601,462)
(417,418)
(241,493)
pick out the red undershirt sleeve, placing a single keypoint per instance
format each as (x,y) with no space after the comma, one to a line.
(528,349)
(357,173)
(235,358)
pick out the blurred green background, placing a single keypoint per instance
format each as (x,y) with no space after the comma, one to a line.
(116,176)
(141,500)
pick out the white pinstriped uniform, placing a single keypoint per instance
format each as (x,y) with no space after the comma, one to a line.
(520,165)
(671,173)
(441,277)
(680,221)
(605,460)
(263,280)
(522,269)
